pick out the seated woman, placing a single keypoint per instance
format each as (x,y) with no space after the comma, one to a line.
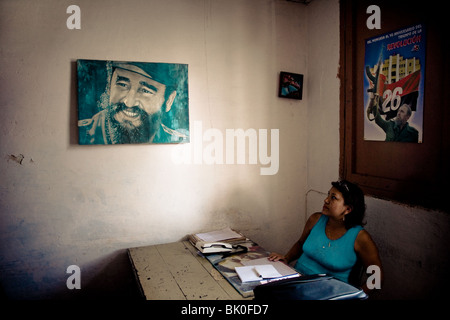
(334,240)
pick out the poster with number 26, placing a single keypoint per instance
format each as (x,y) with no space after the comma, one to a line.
(394,85)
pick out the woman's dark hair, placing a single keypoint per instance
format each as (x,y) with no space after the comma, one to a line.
(353,197)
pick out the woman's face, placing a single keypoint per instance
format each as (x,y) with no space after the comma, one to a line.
(334,206)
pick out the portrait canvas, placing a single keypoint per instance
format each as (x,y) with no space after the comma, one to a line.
(291,85)
(123,102)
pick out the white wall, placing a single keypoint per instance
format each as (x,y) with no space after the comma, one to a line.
(323,86)
(65,204)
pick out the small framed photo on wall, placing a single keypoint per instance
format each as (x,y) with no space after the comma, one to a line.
(291,85)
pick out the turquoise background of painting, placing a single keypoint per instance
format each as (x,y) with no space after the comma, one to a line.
(92,80)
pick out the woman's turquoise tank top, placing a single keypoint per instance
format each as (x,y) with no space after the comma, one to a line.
(332,257)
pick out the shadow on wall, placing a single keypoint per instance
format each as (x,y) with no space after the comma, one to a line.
(115,280)
(238,209)
(410,241)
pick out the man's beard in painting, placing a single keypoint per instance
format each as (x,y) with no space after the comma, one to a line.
(129,133)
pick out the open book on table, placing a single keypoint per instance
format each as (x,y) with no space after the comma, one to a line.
(267,270)
(257,273)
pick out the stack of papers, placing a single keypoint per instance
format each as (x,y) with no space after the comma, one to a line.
(219,235)
(216,241)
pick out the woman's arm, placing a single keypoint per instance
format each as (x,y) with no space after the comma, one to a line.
(368,253)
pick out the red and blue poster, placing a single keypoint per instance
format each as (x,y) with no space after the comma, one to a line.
(394,85)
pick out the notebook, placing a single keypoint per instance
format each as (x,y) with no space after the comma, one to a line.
(257,273)
(283,269)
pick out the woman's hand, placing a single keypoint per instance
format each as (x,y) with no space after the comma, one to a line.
(277,257)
